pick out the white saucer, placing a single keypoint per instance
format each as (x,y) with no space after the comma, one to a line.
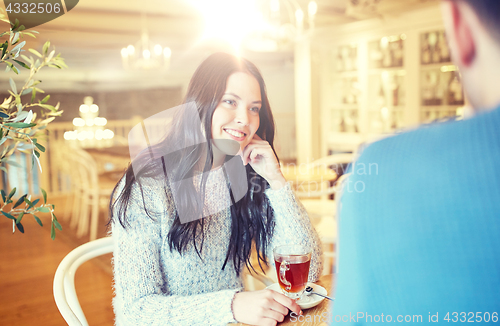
(307,301)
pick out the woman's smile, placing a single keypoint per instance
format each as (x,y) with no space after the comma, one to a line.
(237,135)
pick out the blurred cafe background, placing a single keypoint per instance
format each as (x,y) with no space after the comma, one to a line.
(340,74)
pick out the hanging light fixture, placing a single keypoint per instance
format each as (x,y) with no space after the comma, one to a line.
(89,127)
(145,54)
(286,22)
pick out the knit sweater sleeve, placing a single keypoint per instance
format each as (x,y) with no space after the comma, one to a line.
(293,226)
(141,295)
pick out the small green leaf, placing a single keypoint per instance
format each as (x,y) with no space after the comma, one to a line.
(20,125)
(57,225)
(20,227)
(35,202)
(33,95)
(27,201)
(44,196)
(15,38)
(35,52)
(37,153)
(12,193)
(8,215)
(47,107)
(4,115)
(22,64)
(40,147)
(13,163)
(16,24)
(19,217)
(18,47)
(27,91)
(46,47)
(4,196)
(20,201)
(52,232)
(45,99)
(38,220)
(44,209)
(13,85)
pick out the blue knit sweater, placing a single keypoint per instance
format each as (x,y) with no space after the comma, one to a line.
(419,229)
(156,286)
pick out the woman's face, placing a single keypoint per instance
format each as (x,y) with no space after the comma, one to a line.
(236,119)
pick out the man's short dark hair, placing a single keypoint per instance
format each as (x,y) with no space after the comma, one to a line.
(489,13)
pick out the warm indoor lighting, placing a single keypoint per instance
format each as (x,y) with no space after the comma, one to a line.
(89,127)
(98,121)
(449,68)
(84,108)
(145,54)
(124,52)
(312,8)
(167,53)
(78,122)
(130,50)
(261,26)
(299,15)
(158,49)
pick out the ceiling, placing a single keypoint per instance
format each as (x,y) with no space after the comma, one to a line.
(91,36)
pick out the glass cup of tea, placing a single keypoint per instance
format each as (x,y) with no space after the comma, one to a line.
(292,266)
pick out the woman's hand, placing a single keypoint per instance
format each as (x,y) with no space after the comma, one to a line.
(259,154)
(265,307)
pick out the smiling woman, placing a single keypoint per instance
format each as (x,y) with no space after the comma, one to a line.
(186,221)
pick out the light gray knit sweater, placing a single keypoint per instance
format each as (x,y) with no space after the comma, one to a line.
(156,286)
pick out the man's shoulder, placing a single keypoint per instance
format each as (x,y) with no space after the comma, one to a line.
(438,141)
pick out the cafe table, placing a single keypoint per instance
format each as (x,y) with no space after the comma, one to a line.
(315,316)
(111,161)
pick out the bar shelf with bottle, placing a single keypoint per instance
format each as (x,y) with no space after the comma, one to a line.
(386,87)
(441,95)
(344,109)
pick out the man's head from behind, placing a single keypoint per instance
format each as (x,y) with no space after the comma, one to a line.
(473,31)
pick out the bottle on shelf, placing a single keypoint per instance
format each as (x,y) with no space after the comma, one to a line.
(445,51)
(455,92)
(426,51)
(436,54)
(427,90)
(339,61)
(398,53)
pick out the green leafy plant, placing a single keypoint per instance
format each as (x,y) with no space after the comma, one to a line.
(20,129)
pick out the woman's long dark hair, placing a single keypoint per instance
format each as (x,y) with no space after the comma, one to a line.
(252,218)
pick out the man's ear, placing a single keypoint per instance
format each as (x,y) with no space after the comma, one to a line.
(459,31)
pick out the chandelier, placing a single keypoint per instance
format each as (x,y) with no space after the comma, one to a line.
(285,23)
(89,129)
(144,54)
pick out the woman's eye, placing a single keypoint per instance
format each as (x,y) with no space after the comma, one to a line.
(255,109)
(230,102)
